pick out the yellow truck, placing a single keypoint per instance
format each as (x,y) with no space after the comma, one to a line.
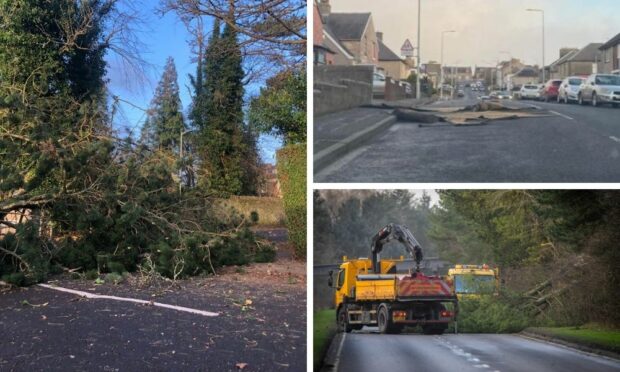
(473,280)
(370,292)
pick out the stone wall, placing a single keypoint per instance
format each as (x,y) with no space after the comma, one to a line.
(338,88)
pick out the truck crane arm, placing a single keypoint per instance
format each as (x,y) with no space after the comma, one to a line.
(400,233)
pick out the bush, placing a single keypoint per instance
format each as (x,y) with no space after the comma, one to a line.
(292,175)
(491,314)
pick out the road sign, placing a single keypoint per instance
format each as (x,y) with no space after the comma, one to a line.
(407,49)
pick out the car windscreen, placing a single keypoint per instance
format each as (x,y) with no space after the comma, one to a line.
(556,83)
(607,80)
(575,81)
(530,87)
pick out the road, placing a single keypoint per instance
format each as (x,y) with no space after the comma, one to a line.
(472,352)
(575,144)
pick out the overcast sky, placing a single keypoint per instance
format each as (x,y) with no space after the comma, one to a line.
(486,27)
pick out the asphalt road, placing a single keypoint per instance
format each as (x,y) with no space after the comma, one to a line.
(575,144)
(472,352)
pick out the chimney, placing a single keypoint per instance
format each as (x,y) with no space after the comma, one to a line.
(380,36)
(325,8)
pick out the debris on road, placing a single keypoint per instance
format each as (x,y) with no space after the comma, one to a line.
(480,113)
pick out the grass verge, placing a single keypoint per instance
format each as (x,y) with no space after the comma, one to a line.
(591,336)
(324,331)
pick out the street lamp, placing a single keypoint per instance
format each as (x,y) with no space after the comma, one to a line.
(181,157)
(543,39)
(417,83)
(441,78)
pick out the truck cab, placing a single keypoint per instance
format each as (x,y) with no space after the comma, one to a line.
(474,280)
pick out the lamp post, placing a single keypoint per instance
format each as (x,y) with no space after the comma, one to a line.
(543,39)
(417,83)
(441,78)
(181,157)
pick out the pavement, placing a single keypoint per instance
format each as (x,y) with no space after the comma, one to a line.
(339,133)
(364,351)
(575,144)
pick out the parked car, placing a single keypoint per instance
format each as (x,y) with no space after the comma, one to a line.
(600,88)
(460,93)
(569,89)
(504,94)
(378,84)
(550,90)
(529,91)
(615,72)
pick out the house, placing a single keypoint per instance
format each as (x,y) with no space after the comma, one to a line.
(335,52)
(456,73)
(390,62)
(527,75)
(354,33)
(432,70)
(581,62)
(323,55)
(506,68)
(553,71)
(486,74)
(610,55)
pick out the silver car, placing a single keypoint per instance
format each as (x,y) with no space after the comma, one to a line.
(529,91)
(600,88)
(569,89)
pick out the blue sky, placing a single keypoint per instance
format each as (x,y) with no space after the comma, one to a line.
(161,36)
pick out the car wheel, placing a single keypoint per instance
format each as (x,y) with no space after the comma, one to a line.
(594,100)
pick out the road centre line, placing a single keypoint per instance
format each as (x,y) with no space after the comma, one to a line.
(126,299)
(562,115)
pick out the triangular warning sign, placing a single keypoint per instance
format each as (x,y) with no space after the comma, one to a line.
(407,46)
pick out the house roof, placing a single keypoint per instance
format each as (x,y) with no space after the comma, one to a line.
(386,54)
(563,58)
(334,44)
(586,54)
(527,72)
(348,26)
(613,41)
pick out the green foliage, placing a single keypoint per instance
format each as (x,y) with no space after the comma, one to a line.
(356,216)
(280,109)
(324,331)
(291,166)
(491,314)
(225,146)
(164,123)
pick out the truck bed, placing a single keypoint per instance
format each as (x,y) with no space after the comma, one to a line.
(401,287)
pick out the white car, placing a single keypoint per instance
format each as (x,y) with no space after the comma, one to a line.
(378,84)
(599,89)
(529,91)
(615,72)
(569,89)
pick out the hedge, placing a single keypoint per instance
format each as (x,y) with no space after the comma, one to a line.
(291,165)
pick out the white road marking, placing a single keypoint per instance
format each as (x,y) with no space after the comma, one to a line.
(143,302)
(614,138)
(562,115)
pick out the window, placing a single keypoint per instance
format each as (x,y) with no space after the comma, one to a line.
(340,279)
(319,57)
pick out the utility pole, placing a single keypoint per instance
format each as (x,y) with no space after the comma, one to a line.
(417,84)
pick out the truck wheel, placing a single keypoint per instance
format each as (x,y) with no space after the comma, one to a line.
(343,324)
(383,320)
